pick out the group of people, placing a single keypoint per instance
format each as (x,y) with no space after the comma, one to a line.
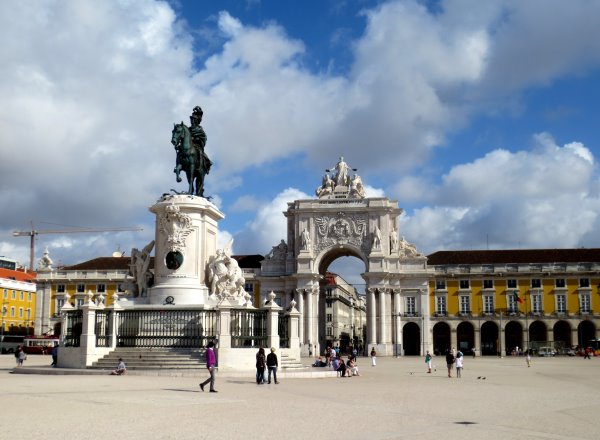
(334,360)
(263,363)
(453,359)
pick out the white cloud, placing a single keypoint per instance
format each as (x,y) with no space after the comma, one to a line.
(90,90)
(269,226)
(543,197)
(245,203)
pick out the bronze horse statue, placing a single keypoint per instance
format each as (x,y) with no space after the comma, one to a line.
(190,158)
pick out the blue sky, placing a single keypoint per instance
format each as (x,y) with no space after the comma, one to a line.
(480,118)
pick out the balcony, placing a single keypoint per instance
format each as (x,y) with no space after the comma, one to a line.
(411,315)
(440,314)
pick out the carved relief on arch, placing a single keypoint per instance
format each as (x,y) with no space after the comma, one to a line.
(340,229)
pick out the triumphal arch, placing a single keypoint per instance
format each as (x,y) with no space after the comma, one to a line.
(342,221)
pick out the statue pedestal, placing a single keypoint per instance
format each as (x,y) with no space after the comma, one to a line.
(186,236)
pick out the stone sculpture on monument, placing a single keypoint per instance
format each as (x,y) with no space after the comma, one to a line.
(340,185)
(225,276)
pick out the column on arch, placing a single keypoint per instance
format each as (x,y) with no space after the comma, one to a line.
(371,317)
(396,316)
(300,296)
(315,317)
(382,317)
(309,318)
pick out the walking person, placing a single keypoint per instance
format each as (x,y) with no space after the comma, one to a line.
(18,351)
(272,365)
(20,356)
(449,362)
(373,357)
(261,362)
(428,359)
(459,364)
(528,358)
(211,361)
(54,354)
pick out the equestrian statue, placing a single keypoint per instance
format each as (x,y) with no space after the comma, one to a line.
(189,144)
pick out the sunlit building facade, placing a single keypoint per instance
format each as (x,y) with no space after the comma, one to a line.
(504,301)
(18,296)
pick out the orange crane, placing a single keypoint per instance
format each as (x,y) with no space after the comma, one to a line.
(33,232)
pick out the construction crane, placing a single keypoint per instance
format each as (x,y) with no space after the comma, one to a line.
(33,233)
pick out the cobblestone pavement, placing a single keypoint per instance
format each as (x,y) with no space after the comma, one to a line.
(557,398)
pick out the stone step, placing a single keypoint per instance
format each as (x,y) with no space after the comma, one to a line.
(152,359)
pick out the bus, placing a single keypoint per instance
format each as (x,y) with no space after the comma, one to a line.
(9,343)
(39,344)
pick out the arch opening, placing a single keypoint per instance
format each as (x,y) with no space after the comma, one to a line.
(342,305)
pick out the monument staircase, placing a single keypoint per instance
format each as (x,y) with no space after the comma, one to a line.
(145,359)
(181,360)
(289,363)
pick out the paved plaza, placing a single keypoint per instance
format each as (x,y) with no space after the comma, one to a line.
(557,398)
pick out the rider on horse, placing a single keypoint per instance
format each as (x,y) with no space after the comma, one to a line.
(191,157)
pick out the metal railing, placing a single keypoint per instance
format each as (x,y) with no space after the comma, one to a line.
(74,322)
(166,328)
(248,328)
(284,331)
(102,328)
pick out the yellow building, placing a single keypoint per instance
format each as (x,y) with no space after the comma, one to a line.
(102,277)
(504,301)
(18,294)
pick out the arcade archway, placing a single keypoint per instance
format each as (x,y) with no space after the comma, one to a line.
(562,334)
(586,330)
(411,339)
(489,338)
(441,338)
(513,334)
(537,332)
(465,337)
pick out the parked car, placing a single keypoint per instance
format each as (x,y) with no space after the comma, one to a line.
(546,351)
(567,352)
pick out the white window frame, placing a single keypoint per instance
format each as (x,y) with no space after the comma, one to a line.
(467,282)
(488,304)
(509,282)
(491,281)
(512,303)
(585,302)
(537,305)
(560,302)
(464,304)
(80,288)
(411,305)
(441,304)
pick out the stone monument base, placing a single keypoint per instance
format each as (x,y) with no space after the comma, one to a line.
(186,237)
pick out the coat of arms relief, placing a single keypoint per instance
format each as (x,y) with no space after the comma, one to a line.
(176,226)
(341,229)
